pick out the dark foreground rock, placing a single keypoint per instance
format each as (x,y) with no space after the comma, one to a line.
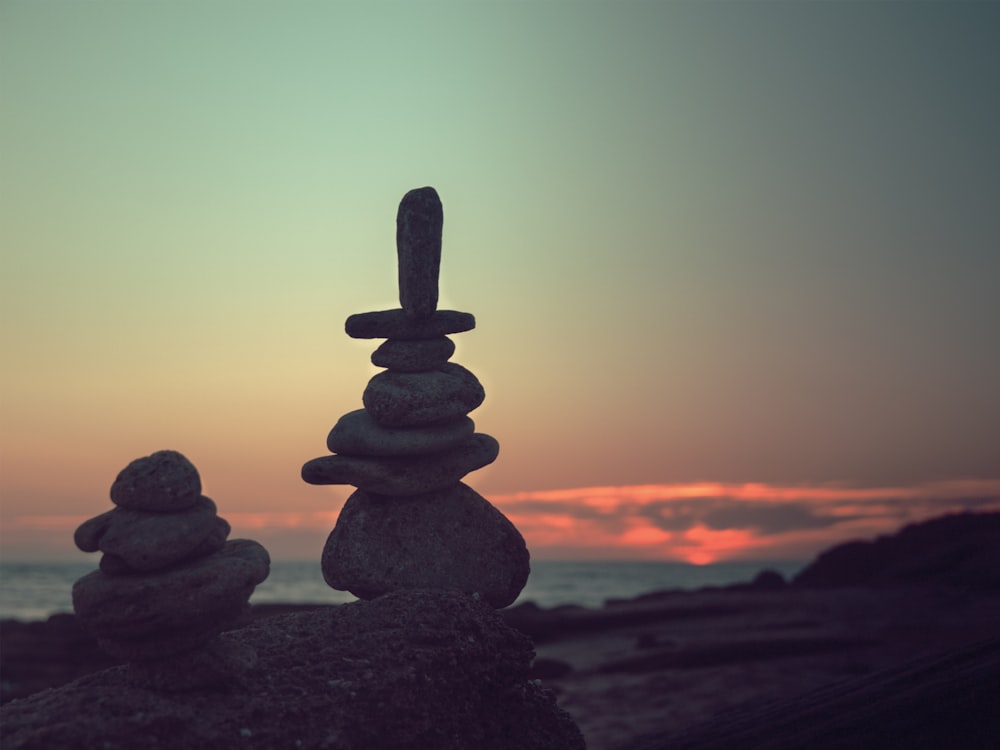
(957,550)
(948,700)
(412,669)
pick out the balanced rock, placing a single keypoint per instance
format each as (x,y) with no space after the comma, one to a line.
(396,324)
(357,434)
(412,523)
(169,583)
(408,399)
(453,539)
(147,541)
(418,247)
(164,481)
(420,355)
(405,475)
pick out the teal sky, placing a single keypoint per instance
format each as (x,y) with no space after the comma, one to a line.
(714,241)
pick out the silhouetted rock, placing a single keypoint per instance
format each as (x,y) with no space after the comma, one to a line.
(959,550)
(412,523)
(168,582)
(411,670)
(414,399)
(357,434)
(449,540)
(163,481)
(413,356)
(418,247)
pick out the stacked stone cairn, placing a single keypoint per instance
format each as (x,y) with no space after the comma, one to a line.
(169,583)
(412,523)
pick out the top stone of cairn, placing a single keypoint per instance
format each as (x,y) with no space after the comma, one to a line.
(418,247)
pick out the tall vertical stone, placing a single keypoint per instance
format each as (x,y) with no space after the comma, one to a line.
(412,523)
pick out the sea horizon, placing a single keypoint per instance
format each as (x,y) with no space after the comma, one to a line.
(35,590)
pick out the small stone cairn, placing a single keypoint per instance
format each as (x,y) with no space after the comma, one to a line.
(169,582)
(412,523)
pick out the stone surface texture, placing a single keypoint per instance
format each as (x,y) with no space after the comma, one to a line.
(396,324)
(357,434)
(418,249)
(412,523)
(413,356)
(453,539)
(413,399)
(409,671)
(163,481)
(405,475)
(168,582)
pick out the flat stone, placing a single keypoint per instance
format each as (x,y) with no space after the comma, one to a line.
(164,481)
(217,663)
(87,536)
(418,249)
(413,356)
(210,589)
(413,399)
(452,540)
(357,434)
(404,475)
(396,324)
(153,541)
(113,565)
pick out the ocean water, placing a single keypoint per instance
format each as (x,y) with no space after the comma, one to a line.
(33,591)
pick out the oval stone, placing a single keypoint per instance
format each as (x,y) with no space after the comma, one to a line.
(357,434)
(208,589)
(396,324)
(413,356)
(441,540)
(400,399)
(407,475)
(153,541)
(164,481)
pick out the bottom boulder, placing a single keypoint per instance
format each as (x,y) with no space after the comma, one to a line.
(408,670)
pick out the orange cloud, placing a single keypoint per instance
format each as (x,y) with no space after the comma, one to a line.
(698,522)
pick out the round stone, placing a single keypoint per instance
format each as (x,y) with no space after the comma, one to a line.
(406,475)
(153,541)
(396,324)
(402,399)
(448,540)
(207,590)
(413,356)
(357,434)
(163,481)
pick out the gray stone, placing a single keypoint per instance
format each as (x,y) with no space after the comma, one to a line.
(209,589)
(153,541)
(87,536)
(357,434)
(413,356)
(404,475)
(113,565)
(401,399)
(163,481)
(396,324)
(418,248)
(453,539)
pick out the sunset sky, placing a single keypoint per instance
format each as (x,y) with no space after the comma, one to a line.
(735,265)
